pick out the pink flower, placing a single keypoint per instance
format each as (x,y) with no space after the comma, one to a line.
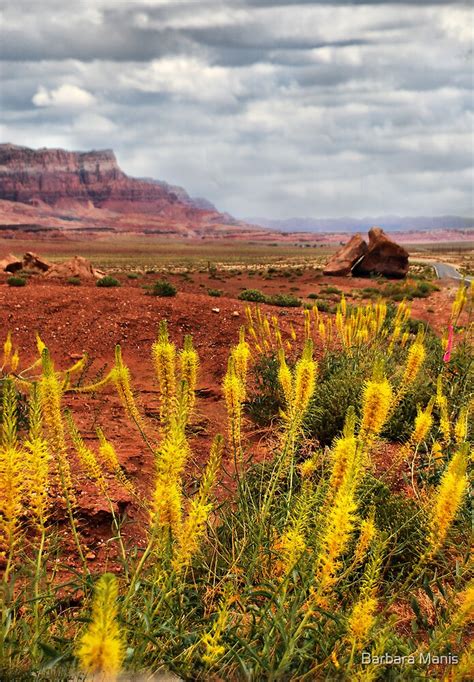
(449,347)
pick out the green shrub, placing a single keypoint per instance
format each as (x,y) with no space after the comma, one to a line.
(133,275)
(266,400)
(253,295)
(214,292)
(330,290)
(108,281)
(284,300)
(339,375)
(163,288)
(324,306)
(74,281)
(15,281)
(312,295)
(402,521)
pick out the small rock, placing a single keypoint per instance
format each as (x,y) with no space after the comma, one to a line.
(235,313)
(216,310)
(90,555)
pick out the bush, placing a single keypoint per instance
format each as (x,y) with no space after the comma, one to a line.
(330,290)
(266,401)
(252,295)
(133,275)
(16,281)
(324,306)
(214,292)
(339,375)
(163,288)
(74,281)
(107,281)
(284,300)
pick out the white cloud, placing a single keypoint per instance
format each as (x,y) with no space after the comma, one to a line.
(90,122)
(193,78)
(66,95)
(457,23)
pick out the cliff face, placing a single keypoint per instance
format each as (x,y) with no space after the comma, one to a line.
(50,175)
(90,185)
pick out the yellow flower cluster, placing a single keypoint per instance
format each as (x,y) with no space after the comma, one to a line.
(448,498)
(101,648)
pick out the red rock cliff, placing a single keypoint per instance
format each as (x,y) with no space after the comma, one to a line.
(61,178)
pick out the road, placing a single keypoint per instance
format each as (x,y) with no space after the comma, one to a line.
(447,271)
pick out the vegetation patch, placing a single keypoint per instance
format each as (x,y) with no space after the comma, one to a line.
(163,288)
(107,282)
(16,281)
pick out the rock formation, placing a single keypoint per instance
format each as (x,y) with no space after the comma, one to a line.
(88,191)
(30,262)
(35,264)
(10,263)
(381,256)
(74,267)
(343,261)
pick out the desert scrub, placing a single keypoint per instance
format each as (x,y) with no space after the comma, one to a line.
(16,281)
(133,275)
(107,281)
(163,288)
(216,293)
(284,300)
(397,291)
(266,399)
(252,295)
(330,290)
(308,560)
(74,281)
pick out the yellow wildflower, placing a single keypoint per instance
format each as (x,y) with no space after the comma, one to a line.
(448,499)
(101,648)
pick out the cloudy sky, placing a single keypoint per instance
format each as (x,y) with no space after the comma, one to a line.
(266,108)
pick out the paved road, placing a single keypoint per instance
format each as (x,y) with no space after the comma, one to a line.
(445,270)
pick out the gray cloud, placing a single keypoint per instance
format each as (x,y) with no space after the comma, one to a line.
(265,108)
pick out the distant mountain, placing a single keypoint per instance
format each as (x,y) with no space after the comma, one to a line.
(182,195)
(87,191)
(389,223)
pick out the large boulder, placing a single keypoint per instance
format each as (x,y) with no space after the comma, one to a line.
(75,267)
(35,264)
(383,257)
(343,260)
(10,263)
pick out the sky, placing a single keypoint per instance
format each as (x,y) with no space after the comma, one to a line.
(273,109)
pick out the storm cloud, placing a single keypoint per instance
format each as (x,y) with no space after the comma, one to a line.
(266,108)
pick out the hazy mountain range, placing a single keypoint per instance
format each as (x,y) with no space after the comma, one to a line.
(390,223)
